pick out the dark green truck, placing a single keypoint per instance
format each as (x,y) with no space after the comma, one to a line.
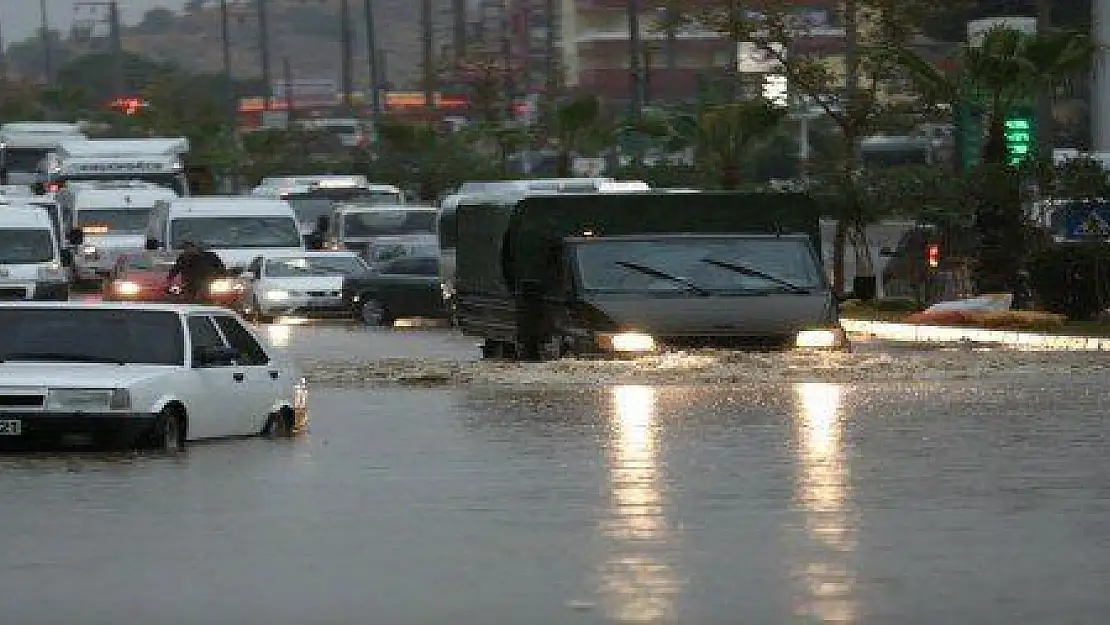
(544,276)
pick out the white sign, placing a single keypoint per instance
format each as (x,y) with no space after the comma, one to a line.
(757,59)
(776,89)
(116,168)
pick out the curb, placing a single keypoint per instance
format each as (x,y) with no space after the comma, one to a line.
(913,333)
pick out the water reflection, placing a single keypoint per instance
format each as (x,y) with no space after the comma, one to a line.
(639,582)
(824,567)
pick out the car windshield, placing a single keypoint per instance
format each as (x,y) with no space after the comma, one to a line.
(697,264)
(304,266)
(389,251)
(24,160)
(348,194)
(91,335)
(378,223)
(235,232)
(25,245)
(114,220)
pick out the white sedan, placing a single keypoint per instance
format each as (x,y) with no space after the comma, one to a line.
(309,284)
(139,375)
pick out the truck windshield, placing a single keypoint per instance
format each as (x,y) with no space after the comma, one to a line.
(301,266)
(24,160)
(718,264)
(235,232)
(74,335)
(25,245)
(113,220)
(380,223)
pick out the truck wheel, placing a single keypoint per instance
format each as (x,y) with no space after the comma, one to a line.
(373,313)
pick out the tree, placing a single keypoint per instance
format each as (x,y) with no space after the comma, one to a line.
(157,21)
(575,121)
(726,132)
(874,30)
(1009,68)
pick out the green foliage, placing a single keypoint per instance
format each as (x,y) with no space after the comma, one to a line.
(725,133)
(1073,279)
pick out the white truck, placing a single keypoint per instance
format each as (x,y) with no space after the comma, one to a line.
(24,147)
(107,219)
(32,263)
(155,160)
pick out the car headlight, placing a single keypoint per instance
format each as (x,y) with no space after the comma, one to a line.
(54,272)
(827,338)
(224,286)
(88,399)
(277,295)
(635,342)
(127,288)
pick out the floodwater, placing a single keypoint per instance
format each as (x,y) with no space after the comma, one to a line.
(631,493)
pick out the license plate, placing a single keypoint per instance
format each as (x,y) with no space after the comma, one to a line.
(11,427)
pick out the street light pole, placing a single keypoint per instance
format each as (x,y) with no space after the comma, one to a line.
(426,35)
(225,43)
(1100,111)
(373,62)
(634,60)
(345,52)
(264,44)
(44,33)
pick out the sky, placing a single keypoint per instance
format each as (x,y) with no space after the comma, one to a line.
(20,18)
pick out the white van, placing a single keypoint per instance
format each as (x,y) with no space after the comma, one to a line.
(238,228)
(31,265)
(106,220)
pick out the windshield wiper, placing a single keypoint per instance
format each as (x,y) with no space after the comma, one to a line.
(755,273)
(657,273)
(61,357)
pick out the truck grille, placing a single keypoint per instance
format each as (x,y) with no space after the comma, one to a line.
(21,401)
(8,293)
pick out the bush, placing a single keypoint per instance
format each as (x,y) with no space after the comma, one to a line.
(1072,279)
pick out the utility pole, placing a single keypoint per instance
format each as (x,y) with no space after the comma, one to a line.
(507,59)
(44,32)
(117,47)
(458,15)
(3,54)
(1100,111)
(225,43)
(426,35)
(287,77)
(115,38)
(1044,127)
(345,52)
(634,64)
(551,65)
(373,62)
(264,45)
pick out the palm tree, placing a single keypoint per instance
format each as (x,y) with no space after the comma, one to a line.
(1009,68)
(726,132)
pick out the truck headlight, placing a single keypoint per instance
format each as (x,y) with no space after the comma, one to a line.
(629,342)
(89,250)
(224,286)
(277,295)
(88,399)
(127,288)
(827,338)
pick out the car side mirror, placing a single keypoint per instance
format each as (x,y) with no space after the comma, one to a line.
(152,245)
(75,236)
(66,256)
(212,356)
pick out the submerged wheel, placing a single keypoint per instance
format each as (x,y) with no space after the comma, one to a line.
(170,432)
(373,313)
(281,424)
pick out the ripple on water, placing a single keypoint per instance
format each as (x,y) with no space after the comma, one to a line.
(714,367)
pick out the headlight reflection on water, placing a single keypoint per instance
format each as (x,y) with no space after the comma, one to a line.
(638,582)
(824,567)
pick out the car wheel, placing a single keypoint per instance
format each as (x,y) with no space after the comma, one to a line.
(373,313)
(281,424)
(171,433)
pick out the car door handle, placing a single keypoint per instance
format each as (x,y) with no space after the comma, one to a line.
(238,377)
(274,375)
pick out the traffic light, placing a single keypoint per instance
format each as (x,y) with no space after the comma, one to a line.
(1020,136)
(932,256)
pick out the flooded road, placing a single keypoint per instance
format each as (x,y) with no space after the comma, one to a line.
(956,487)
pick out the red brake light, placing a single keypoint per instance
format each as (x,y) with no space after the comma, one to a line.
(933,256)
